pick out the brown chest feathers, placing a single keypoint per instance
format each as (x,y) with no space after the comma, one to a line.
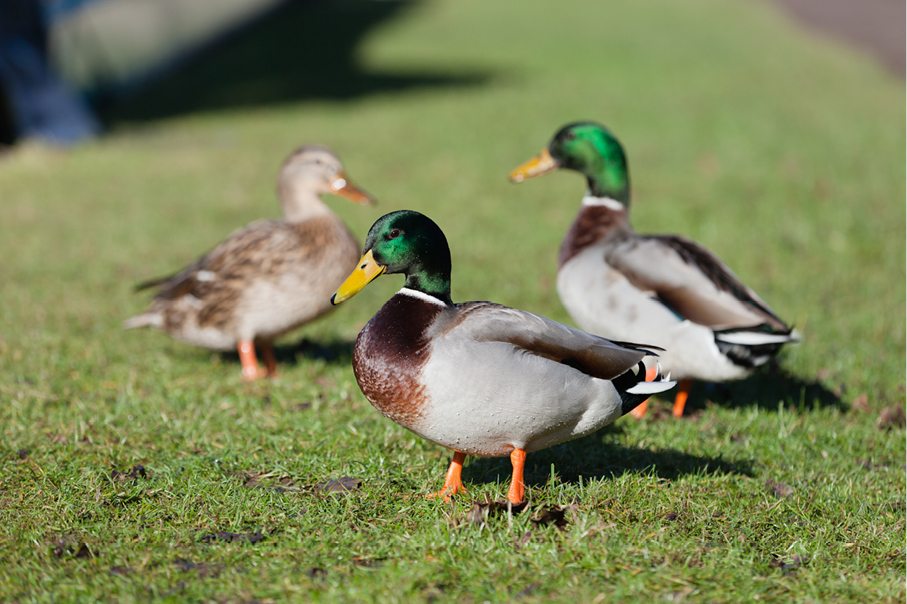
(591,225)
(389,355)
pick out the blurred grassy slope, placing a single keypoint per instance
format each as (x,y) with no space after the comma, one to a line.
(781,152)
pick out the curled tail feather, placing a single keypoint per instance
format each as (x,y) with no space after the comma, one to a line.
(635,388)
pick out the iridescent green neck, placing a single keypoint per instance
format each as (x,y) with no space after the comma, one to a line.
(609,179)
(432,282)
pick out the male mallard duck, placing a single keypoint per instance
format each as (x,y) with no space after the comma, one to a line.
(662,289)
(477,377)
(267,278)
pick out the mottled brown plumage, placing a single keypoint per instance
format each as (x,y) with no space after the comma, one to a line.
(269,277)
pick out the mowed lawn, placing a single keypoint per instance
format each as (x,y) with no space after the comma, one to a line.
(135,468)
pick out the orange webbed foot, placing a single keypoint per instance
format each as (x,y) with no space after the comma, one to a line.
(453,482)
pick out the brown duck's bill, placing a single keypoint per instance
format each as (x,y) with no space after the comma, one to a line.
(366,271)
(538,165)
(344,188)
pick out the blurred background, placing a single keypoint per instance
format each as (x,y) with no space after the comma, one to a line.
(70,68)
(770,131)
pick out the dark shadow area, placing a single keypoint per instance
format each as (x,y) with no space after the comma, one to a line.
(300,51)
(594,457)
(334,352)
(765,389)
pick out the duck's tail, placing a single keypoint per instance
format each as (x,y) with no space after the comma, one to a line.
(753,346)
(640,382)
(148,319)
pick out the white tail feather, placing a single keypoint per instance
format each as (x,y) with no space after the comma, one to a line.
(665,383)
(146,320)
(652,387)
(754,338)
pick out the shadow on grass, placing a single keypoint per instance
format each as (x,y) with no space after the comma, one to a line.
(593,457)
(333,352)
(301,51)
(767,389)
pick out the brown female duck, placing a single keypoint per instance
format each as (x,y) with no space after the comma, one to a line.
(267,278)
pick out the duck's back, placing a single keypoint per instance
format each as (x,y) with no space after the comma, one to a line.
(264,280)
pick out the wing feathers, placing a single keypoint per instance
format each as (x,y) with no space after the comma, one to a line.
(590,354)
(691,281)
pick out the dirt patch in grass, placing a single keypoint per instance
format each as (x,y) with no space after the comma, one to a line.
(202,569)
(891,418)
(779,489)
(230,537)
(70,546)
(136,472)
(284,483)
(344,484)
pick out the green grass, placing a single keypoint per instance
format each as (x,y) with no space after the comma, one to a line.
(778,150)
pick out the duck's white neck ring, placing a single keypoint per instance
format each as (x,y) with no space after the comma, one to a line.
(608,202)
(412,293)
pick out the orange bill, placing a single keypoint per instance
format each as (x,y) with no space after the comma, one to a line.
(344,188)
(538,165)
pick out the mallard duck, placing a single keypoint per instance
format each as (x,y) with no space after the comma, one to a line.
(476,377)
(661,289)
(267,278)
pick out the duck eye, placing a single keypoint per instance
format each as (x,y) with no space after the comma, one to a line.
(393,234)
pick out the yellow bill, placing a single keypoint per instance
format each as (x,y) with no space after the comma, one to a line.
(344,188)
(538,165)
(366,271)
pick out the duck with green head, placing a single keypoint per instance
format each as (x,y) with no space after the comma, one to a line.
(476,377)
(662,289)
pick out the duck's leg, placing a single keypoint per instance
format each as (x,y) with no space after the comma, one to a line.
(453,482)
(250,369)
(267,355)
(680,401)
(640,411)
(517,486)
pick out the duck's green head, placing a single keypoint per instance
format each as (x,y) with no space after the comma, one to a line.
(588,148)
(402,242)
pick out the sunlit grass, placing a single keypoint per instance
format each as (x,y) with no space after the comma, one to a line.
(785,158)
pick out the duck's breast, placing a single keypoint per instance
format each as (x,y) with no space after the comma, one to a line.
(390,354)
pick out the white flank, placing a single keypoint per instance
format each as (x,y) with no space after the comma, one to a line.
(421,295)
(753,338)
(611,204)
(205,276)
(652,387)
